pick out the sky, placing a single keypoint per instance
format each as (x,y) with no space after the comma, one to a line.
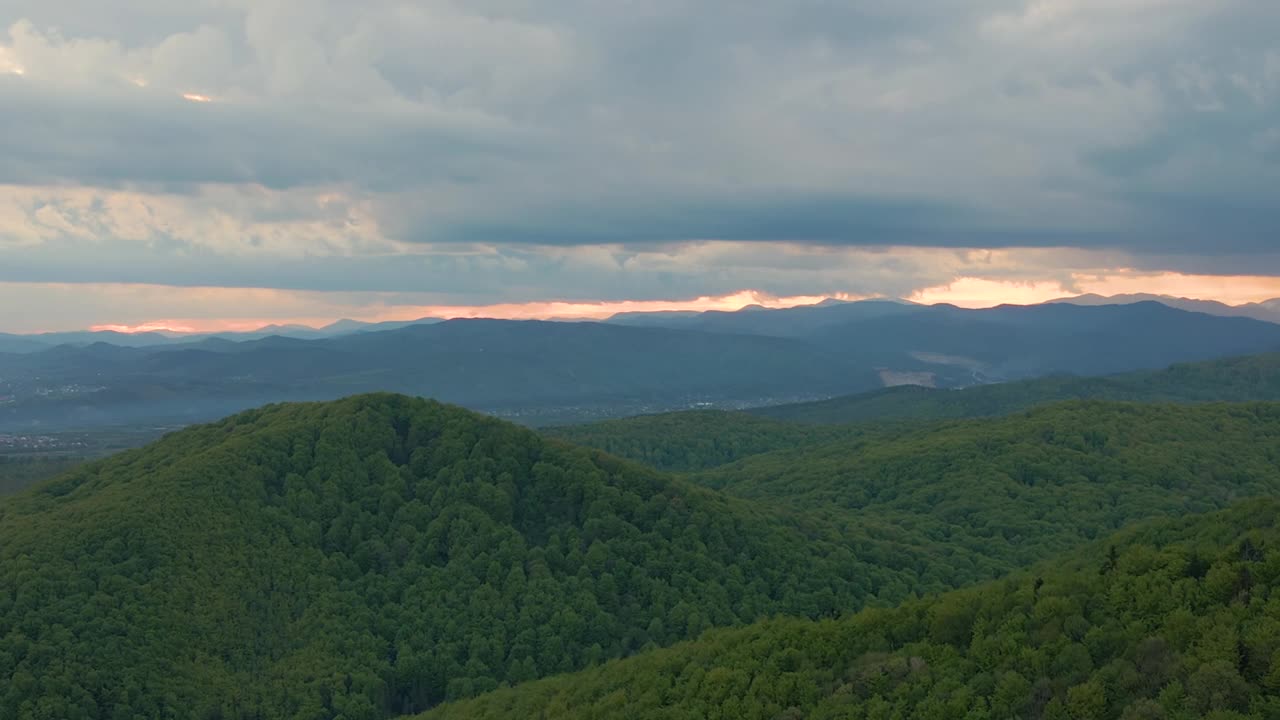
(218,164)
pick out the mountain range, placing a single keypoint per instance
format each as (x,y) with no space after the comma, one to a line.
(794,321)
(549,372)
(1267,310)
(35,342)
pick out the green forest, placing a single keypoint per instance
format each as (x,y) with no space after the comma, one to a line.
(698,439)
(1178,620)
(702,439)
(20,471)
(998,493)
(381,556)
(1021,488)
(378,555)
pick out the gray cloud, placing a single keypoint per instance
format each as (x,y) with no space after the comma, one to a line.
(390,145)
(162,141)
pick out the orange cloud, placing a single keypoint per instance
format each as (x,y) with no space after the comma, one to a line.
(975,292)
(504,311)
(129,307)
(601,310)
(158,326)
(1229,289)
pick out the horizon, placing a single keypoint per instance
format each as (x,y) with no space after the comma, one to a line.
(564,311)
(315,310)
(214,168)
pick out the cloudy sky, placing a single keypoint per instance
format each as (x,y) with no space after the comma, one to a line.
(223,163)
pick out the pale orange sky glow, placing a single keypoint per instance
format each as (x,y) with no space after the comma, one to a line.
(219,309)
(186,327)
(602,310)
(973,292)
(504,311)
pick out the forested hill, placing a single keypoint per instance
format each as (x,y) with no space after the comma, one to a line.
(696,439)
(17,473)
(1240,379)
(377,555)
(1176,621)
(699,439)
(1021,488)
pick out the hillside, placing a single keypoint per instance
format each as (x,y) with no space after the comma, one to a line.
(1253,377)
(377,555)
(699,440)
(17,473)
(1176,621)
(695,439)
(1024,487)
(1006,491)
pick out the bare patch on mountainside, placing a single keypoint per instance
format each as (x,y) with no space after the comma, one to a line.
(894,378)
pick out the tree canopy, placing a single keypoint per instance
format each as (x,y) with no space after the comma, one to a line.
(1176,621)
(379,555)
(1024,487)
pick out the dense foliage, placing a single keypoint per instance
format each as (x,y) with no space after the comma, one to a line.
(1176,622)
(20,471)
(377,555)
(1022,488)
(703,439)
(1249,378)
(696,439)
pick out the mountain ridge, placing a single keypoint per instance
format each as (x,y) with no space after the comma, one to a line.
(549,372)
(1155,622)
(421,551)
